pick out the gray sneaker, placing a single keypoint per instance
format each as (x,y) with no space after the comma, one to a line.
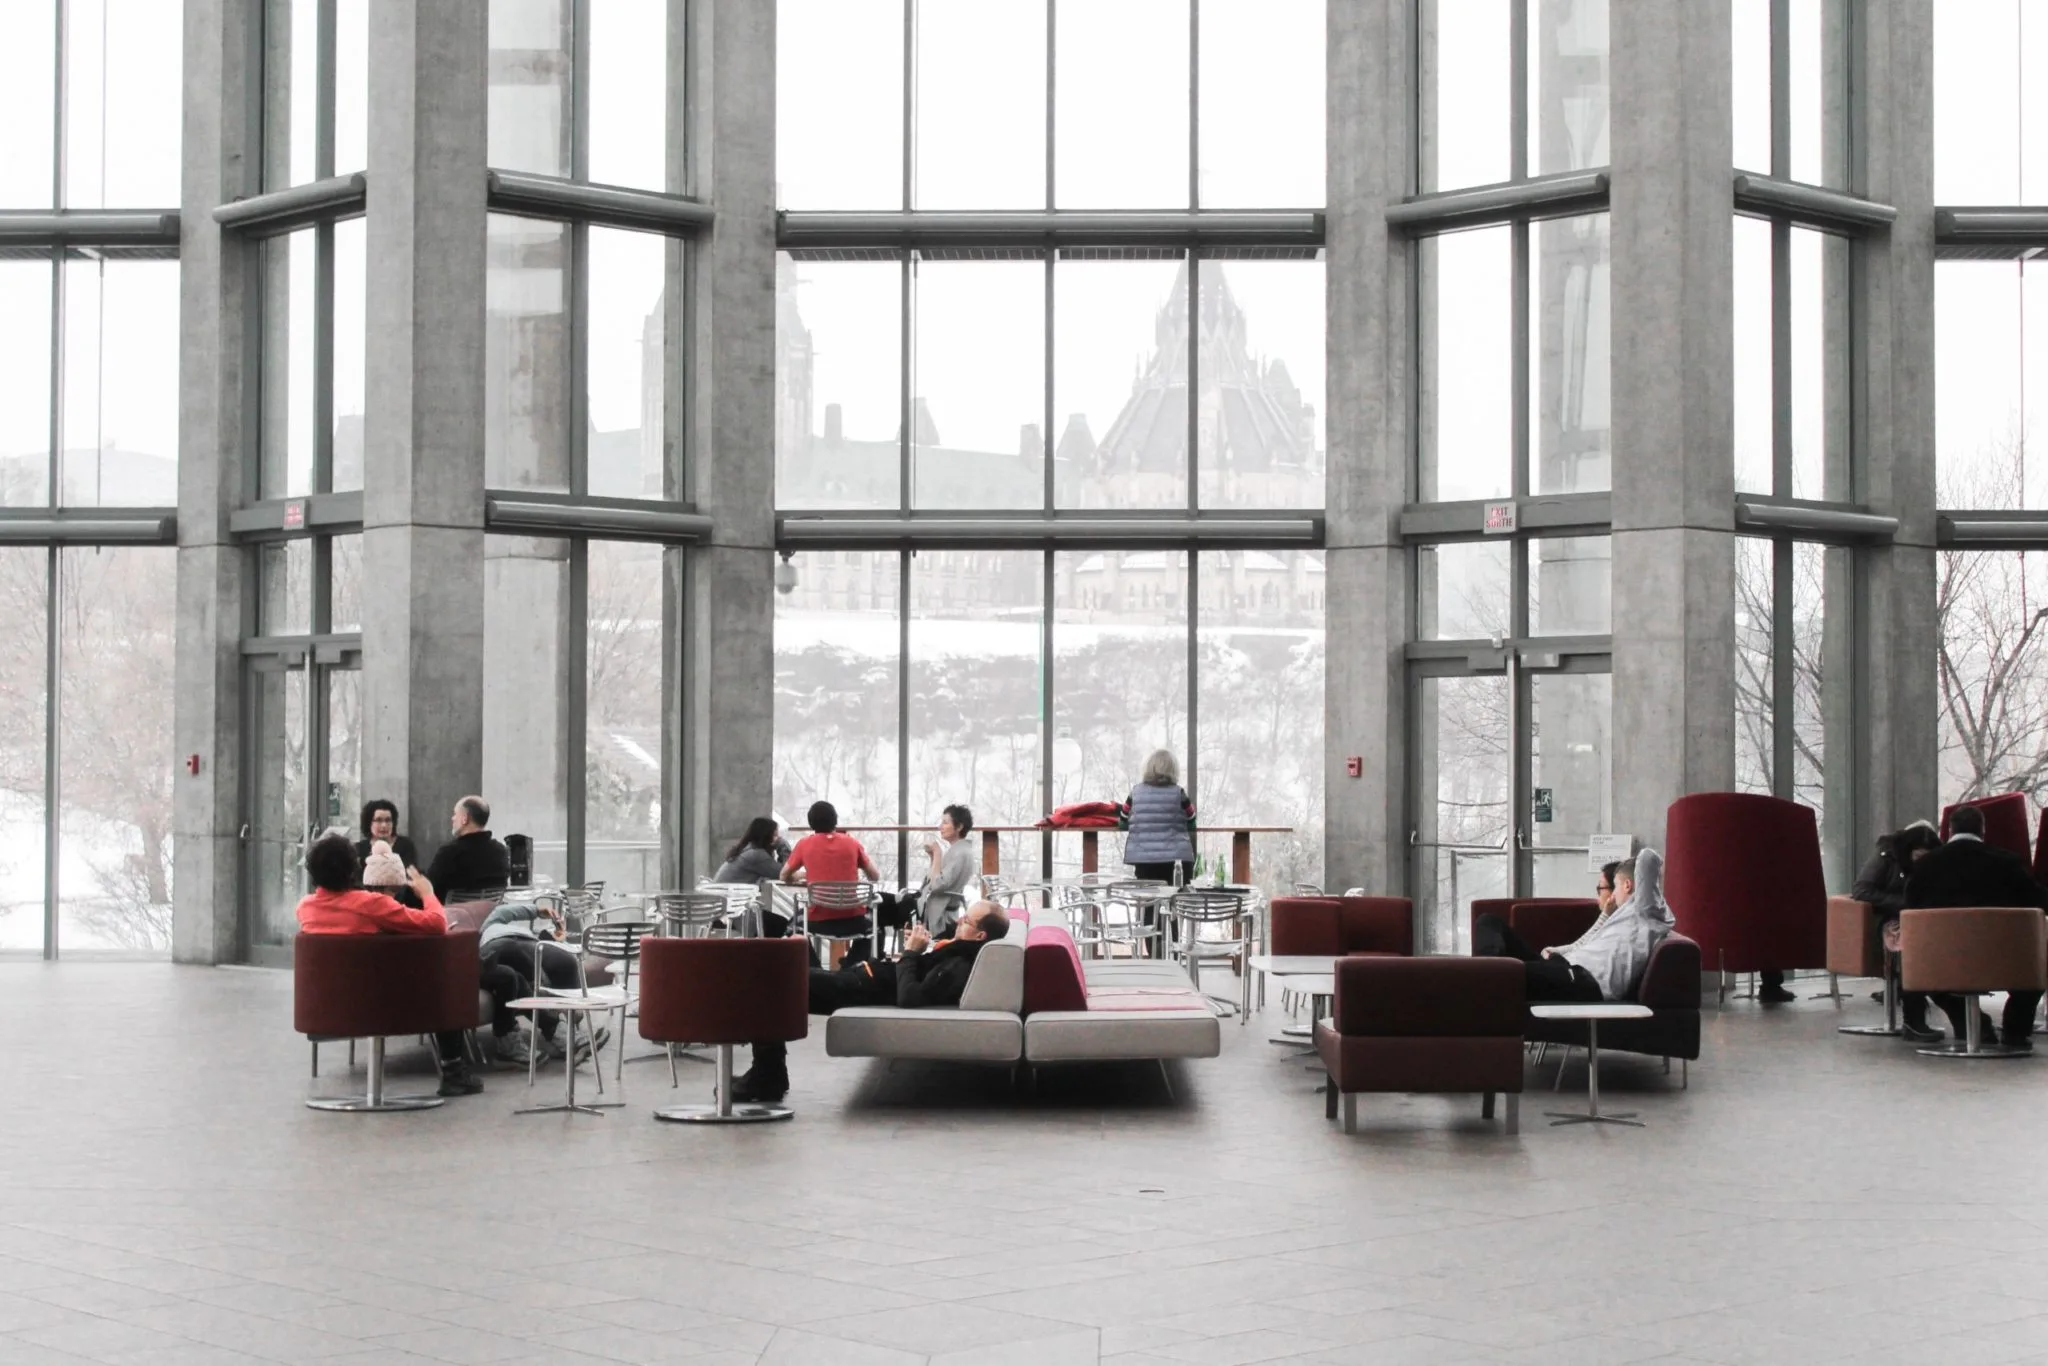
(513,1048)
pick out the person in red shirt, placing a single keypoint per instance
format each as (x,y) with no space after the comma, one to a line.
(828,854)
(337,906)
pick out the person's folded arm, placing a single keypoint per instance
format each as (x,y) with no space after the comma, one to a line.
(924,981)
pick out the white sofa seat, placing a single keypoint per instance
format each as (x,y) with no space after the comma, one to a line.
(1114,1035)
(939,1033)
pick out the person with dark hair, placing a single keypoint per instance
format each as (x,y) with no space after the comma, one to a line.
(338,906)
(828,854)
(471,861)
(1882,886)
(379,821)
(952,872)
(752,857)
(1968,872)
(928,973)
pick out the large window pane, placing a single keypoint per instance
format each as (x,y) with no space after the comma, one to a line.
(1467,80)
(1120,671)
(284,601)
(122,82)
(351,351)
(1567,85)
(1261,379)
(1993,673)
(1121,105)
(24,382)
(1262,108)
(114,705)
(1820,91)
(526,355)
(1261,708)
(839,103)
(1752,84)
(976,657)
(1820,366)
(351,86)
(291,91)
(837,645)
(24,672)
(286,435)
(1461,591)
(1467,401)
(1571,425)
(627,330)
(1570,761)
(530,74)
(1990,382)
(28,85)
(1120,383)
(622,757)
(1570,586)
(120,383)
(628,97)
(345,584)
(526,667)
(838,384)
(1755,405)
(979,362)
(1754,689)
(1990,137)
(1462,808)
(980,104)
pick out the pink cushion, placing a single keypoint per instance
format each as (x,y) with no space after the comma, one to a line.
(1052,971)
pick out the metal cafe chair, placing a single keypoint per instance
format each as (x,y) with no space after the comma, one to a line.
(1194,913)
(839,898)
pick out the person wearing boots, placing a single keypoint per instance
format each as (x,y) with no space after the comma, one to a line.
(1882,886)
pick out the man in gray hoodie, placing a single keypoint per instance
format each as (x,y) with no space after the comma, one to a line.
(1608,962)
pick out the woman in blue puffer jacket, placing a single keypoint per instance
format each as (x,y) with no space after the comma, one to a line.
(1161,842)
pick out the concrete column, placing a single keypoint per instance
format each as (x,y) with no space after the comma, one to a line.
(219,147)
(726,589)
(423,541)
(1674,561)
(1898,779)
(1370,386)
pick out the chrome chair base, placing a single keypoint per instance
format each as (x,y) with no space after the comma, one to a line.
(712,1114)
(1880,1031)
(1989,1050)
(364,1105)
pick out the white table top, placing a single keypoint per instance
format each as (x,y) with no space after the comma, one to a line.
(557,1003)
(1296,964)
(1591,1010)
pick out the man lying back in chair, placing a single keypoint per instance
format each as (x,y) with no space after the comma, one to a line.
(1607,962)
(929,973)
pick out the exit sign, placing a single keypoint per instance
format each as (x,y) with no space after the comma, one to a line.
(1500,519)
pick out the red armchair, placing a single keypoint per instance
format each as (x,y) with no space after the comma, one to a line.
(1743,875)
(1336,925)
(2005,821)
(1541,922)
(374,986)
(1440,1024)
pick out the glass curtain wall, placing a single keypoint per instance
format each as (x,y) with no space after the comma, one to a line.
(1072,381)
(1508,676)
(88,418)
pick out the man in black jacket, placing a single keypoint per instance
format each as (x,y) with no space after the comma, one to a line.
(928,974)
(1968,872)
(472,861)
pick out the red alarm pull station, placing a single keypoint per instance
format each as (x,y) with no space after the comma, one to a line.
(1355,766)
(192,765)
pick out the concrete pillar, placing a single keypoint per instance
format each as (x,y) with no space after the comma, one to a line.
(1674,563)
(1899,775)
(726,589)
(1370,376)
(218,148)
(423,541)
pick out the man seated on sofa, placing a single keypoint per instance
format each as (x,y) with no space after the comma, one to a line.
(1607,962)
(929,973)
(1968,872)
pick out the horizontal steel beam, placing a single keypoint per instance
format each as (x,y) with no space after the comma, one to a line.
(1997,234)
(1810,204)
(1551,196)
(1046,229)
(275,518)
(1561,514)
(881,531)
(542,196)
(88,526)
(84,228)
(320,201)
(1821,523)
(2000,530)
(608,518)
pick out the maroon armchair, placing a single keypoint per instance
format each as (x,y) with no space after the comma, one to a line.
(724,992)
(1335,925)
(1443,1025)
(375,986)
(1743,875)
(1541,922)
(1670,988)
(2005,821)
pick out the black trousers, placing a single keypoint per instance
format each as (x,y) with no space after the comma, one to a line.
(2017,1024)
(1163,872)
(1545,979)
(830,991)
(508,968)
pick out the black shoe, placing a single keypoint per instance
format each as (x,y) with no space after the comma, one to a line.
(458,1080)
(1774,996)
(1877,995)
(1919,1033)
(2019,1043)
(749,1089)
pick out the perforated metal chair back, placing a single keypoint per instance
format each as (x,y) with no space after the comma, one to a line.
(839,898)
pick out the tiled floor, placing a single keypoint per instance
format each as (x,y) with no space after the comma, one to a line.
(165,1199)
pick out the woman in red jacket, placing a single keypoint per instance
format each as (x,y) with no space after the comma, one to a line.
(337,906)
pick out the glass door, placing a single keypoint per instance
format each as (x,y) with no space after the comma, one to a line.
(304,776)
(1511,780)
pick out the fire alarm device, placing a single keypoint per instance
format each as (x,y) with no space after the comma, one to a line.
(192,765)
(1355,766)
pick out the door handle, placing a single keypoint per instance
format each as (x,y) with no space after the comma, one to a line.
(244,835)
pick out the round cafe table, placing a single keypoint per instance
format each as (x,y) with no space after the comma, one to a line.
(588,1007)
